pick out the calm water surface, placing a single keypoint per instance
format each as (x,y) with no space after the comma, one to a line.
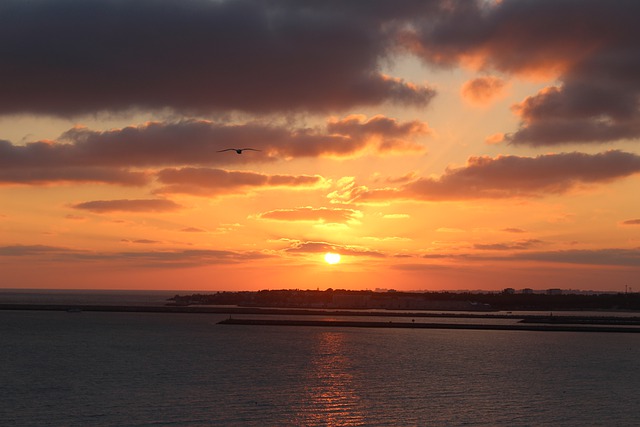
(142,369)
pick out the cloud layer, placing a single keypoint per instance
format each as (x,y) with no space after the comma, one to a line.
(85,155)
(482,90)
(196,56)
(212,182)
(72,57)
(505,177)
(589,46)
(211,75)
(126,205)
(307,213)
(146,259)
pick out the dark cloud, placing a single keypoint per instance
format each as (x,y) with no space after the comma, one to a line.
(391,133)
(607,256)
(66,57)
(84,155)
(193,230)
(44,176)
(179,258)
(63,57)
(616,257)
(436,256)
(141,241)
(144,259)
(125,205)
(590,46)
(576,115)
(425,267)
(326,215)
(352,135)
(210,182)
(513,230)
(509,246)
(506,177)
(75,217)
(632,222)
(32,250)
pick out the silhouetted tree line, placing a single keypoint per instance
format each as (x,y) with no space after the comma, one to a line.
(340,298)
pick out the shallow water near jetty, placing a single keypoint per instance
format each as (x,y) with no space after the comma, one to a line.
(140,369)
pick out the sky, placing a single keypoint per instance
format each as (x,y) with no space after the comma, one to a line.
(434,145)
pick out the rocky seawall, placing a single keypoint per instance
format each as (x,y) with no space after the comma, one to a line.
(413,325)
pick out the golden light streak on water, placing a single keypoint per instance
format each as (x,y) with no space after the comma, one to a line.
(331,392)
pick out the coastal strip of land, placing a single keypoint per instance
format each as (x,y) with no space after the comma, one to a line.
(526,322)
(243,310)
(172,308)
(413,325)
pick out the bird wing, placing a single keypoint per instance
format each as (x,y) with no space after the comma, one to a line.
(227,149)
(252,149)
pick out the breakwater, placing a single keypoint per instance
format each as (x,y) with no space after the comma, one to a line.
(413,325)
(481,321)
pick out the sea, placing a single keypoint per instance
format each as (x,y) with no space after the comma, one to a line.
(89,368)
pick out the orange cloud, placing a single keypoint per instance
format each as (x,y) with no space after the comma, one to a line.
(347,191)
(388,134)
(483,90)
(494,139)
(325,215)
(321,247)
(211,182)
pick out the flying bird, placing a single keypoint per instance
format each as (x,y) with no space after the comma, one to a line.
(238,150)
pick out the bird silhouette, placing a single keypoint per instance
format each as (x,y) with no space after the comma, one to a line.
(237,150)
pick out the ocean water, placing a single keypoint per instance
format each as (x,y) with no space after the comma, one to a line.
(145,369)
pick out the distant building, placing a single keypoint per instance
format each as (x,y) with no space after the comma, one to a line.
(509,291)
(527,291)
(554,291)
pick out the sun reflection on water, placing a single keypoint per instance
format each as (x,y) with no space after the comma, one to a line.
(331,395)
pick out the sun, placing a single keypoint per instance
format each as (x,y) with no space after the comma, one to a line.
(332,258)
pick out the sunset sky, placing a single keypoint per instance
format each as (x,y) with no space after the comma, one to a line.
(434,145)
